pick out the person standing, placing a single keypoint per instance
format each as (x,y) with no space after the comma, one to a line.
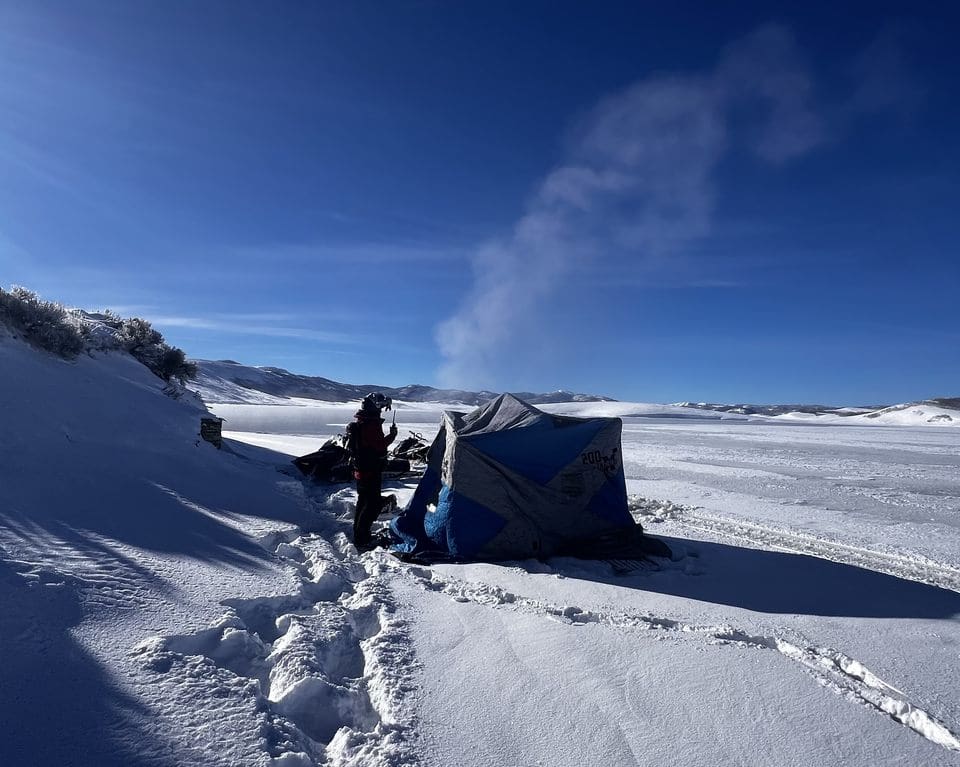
(368,448)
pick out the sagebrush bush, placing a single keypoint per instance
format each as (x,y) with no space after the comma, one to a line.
(43,323)
(138,337)
(66,333)
(174,364)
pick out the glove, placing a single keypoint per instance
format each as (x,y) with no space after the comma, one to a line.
(393,430)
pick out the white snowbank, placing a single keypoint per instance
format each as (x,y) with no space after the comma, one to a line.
(636,410)
(116,523)
(900,415)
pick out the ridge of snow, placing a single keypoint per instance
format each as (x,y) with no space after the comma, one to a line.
(925,413)
(229,382)
(226,382)
(118,524)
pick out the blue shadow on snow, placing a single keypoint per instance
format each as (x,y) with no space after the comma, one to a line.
(779,582)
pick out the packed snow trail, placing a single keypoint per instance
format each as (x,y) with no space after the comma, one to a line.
(913,567)
(329,669)
(834,670)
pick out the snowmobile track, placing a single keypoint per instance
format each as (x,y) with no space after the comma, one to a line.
(834,670)
(908,566)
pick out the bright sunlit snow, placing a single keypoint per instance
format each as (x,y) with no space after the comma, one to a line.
(166,603)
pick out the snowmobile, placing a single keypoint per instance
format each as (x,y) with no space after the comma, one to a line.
(332,462)
(413,448)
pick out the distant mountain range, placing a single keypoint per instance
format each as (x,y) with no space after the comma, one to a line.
(226,381)
(229,382)
(940,409)
(743,409)
(869,411)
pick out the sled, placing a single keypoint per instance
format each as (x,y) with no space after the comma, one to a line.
(331,463)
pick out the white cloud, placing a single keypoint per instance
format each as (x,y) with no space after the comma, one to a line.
(637,185)
(357,254)
(252,325)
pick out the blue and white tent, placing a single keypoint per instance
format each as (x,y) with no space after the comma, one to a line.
(509,481)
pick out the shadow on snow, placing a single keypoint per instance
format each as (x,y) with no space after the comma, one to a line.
(59,705)
(779,582)
(63,558)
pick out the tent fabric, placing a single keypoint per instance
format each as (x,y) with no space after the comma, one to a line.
(509,481)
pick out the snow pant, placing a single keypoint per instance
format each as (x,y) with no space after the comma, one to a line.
(369,504)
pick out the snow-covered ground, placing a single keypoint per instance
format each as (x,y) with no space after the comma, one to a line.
(168,603)
(812,541)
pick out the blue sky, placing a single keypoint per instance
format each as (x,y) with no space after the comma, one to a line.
(651,203)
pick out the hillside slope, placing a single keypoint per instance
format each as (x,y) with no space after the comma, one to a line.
(116,522)
(228,382)
(943,411)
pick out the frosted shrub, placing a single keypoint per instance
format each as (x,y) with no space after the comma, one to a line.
(66,333)
(174,364)
(138,337)
(45,324)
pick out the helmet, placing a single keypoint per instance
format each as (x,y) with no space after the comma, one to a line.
(376,401)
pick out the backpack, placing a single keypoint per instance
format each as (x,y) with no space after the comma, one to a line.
(352,443)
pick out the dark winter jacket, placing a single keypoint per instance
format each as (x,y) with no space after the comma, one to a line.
(372,444)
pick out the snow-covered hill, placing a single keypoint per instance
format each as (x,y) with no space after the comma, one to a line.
(942,411)
(774,410)
(228,382)
(937,412)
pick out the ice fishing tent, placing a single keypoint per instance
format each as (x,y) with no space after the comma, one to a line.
(509,481)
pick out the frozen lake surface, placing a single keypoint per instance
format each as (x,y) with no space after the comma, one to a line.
(894,489)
